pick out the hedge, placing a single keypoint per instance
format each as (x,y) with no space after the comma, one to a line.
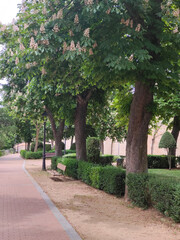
(106,159)
(31,155)
(23,153)
(138,189)
(160,161)
(161,192)
(70,155)
(165,196)
(93,149)
(71,166)
(84,170)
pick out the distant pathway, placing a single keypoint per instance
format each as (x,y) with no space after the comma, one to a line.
(26,212)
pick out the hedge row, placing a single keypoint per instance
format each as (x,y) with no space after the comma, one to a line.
(163,193)
(161,161)
(31,155)
(108,178)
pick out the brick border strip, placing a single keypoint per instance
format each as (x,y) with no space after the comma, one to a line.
(73,235)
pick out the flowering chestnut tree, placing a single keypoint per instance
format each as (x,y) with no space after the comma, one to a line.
(85,44)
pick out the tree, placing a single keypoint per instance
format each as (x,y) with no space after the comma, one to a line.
(167,141)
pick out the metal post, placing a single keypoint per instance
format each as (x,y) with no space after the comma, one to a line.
(44,149)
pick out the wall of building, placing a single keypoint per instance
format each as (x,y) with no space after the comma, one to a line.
(117,148)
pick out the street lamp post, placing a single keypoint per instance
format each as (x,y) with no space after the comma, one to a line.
(44,145)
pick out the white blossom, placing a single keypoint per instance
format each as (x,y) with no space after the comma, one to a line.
(60,14)
(56,28)
(43,71)
(88,2)
(86,32)
(131,58)
(72,46)
(17,61)
(22,48)
(76,19)
(138,28)
(3,28)
(91,51)
(15,28)
(64,47)
(42,28)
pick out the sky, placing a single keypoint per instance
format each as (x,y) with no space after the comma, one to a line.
(8,11)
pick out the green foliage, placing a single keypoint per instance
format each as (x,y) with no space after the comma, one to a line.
(95,175)
(106,159)
(93,149)
(112,180)
(73,146)
(48,147)
(1,153)
(165,196)
(31,155)
(40,145)
(70,151)
(71,166)
(70,155)
(84,170)
(167,141)
(160,161)
(23,153)
(54,163)
(138,189)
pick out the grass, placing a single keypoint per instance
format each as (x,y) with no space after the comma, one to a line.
(165,172)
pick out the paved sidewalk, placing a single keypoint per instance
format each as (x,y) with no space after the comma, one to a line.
(26,213)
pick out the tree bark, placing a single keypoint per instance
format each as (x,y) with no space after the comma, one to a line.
(37,136)
(102,146)
(136,150)
(175,133)
(80,124)
(57,132)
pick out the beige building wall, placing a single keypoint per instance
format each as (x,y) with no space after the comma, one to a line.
(117,148)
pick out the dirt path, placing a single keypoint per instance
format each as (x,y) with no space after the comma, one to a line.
(99,216)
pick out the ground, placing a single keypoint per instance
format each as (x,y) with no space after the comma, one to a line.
(99,216)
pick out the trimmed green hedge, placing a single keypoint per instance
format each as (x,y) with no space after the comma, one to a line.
(84,170)
(138,189)
(165,196)
(23,153)
(70,155)
(160,161)
(31,155)
(161,192)
(106,159)
(71,166)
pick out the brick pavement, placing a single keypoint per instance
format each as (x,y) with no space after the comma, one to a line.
(24,215)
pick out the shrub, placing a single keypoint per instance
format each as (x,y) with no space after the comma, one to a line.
(48,147)
(1,153)
(70,155)
(54,163)
(84,170)
(95,174)
(112,180)
(23,153)
(165,195)
(93,149)
(106,159)
(71,166)
(160,161)
(33,155)
(40,146)
(73,146)
(138,189)
(69,151)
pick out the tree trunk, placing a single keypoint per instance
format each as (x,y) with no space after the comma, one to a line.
(57,132)
(175,133)
(102,146)
(37,137)
(72,140)
(28,146)
(136,150)
(80,129)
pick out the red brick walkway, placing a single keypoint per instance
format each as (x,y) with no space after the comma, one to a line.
(24,215)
